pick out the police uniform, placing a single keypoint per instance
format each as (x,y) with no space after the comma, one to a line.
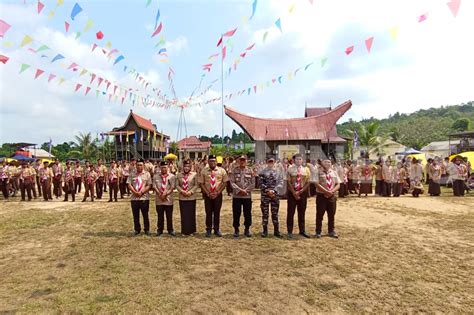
(164,184)
(69,187)
(124,170)
(271,186)
(243,182)
(213,181)
(187,184)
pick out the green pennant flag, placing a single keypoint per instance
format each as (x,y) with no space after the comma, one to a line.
(323,61)
(265,36)
(41,48)
(148,2)
(24,66)
(78,34)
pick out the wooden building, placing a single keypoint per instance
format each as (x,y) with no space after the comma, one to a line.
(193,148)
(314,136)
(139,138)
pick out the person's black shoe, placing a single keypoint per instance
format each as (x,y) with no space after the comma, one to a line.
(318,235)
(265,231)
(333,235)
(172,233)
(236,232)
(277,234)
(208,233)
(290,235)
(110,200)
(83,200)
(136,233)
(218,233)
(147,233)
(304,234)
(159,233)
(247,233)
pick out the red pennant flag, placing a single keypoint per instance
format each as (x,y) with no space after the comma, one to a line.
(38,73)
(115,88)
(422,17)
(123,99)
(224,52)
(92,78)
(243,55)
(231,32)
(250,47)
(99,35)
(40,6)
(87,90)
(274,80)
(78,86)
(255,88)
(454,6)
(158,30)
(66,26)
(100,81)
(349,50)
(368,43)
(4,59)
(219,42)
(73,66)
(94,47)
(108,85)
(51,76)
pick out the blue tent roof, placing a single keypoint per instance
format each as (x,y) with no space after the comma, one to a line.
(19,157)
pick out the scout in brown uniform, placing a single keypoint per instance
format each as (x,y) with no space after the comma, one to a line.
(365,178)
(101,171)
(124,170)
(113,180)
(90,179)
(458,173)
(27,176)
(36,166)
(57,176)
(68,179)
(386,179)
(4,178)
(398,179)
(326,187)
(46,175)
(186,184)
(139,183)
(434,174)
(298,179)
(243,182)
(416,178)
(163,185)
(213,181)
(378,178)
(78,175)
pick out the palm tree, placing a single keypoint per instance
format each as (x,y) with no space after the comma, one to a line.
(86,144)
(370,137)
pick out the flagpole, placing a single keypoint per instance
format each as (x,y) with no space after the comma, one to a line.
(222,89)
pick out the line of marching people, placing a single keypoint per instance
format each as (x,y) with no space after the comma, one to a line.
(404,177)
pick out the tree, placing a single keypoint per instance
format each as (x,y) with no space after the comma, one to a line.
(461,124)
(86,144)
(370,137)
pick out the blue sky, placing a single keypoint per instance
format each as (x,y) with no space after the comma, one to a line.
(428,64)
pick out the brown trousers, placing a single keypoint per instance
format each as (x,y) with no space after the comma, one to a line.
(26,186)
(300,207)
(57,191)
(46,188)
(325,205)
(89,188)
(69,189)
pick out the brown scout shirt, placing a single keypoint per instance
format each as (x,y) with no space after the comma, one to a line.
(192,180)
(139,182)
(220,174)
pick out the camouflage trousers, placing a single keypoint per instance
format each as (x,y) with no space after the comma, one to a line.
(265,204)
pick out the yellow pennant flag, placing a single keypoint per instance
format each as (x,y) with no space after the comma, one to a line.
(108,45)
(245,20)
(60,3)
(61,81)
(89,25)
(148,138)
(84,71)
(394,32)
(7,44)
(291,8)
(51,14)
(126,137)
(26,40)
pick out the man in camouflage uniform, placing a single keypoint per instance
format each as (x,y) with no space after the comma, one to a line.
(271,184)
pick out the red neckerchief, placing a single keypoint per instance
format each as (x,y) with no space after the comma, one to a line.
(213,181)
(163,183)
(185,182)
(298,179)
(329,181)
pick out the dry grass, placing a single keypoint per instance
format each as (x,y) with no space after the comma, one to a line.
(394,255)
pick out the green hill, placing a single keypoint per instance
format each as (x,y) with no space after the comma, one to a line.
(421,127)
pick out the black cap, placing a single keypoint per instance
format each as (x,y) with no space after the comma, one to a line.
(163,163)
(270,158)
(211,157)
(140,161)
(243,157)
(187,162)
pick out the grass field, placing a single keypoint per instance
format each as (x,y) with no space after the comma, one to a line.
(394,255)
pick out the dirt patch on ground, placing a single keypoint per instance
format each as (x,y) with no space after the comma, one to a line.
(394,255)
